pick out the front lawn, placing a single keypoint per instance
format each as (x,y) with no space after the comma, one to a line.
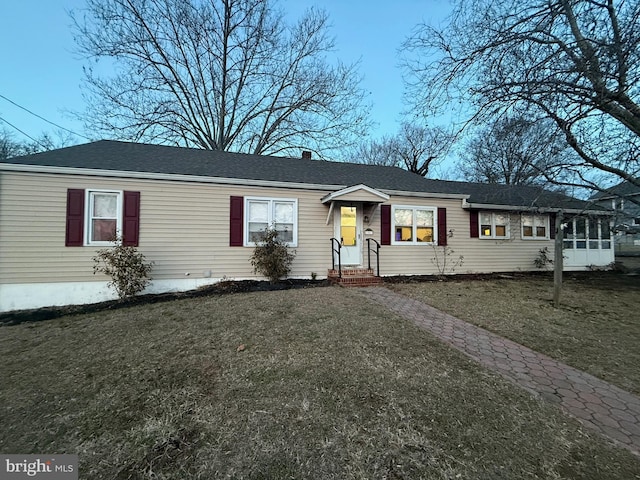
(309,383)
(596,329)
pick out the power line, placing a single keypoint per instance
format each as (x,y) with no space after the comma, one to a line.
(41,118)
(24,133)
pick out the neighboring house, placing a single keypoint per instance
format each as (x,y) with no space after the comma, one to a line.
(197,214)
(627,215)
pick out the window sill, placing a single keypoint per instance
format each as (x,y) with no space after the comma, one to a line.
(412,243)
(254,245)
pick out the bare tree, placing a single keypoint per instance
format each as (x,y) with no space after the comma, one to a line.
(414,148)
(576,62)
(52,140)
(9,147)
(419,147)
(376,152)
(512,151)
(217,74)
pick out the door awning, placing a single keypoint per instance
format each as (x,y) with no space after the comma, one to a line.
(356,193)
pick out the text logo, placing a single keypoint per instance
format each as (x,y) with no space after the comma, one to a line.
(44,467)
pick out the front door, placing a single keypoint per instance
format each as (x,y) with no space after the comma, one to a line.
(348,226)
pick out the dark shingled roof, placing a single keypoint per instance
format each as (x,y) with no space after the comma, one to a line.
(623,189)
(136,157)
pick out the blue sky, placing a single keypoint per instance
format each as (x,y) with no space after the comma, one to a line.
(42,73)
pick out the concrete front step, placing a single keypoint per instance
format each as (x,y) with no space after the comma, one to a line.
(354,277)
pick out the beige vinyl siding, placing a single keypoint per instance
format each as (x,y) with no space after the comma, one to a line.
(184,228)
(502,255)
(480,255)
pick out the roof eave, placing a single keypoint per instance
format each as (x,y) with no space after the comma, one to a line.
(530,208)
(47,169)
(405,193)
(161,176)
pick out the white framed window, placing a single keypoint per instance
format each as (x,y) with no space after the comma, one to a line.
(279,213)
(494,225)
(104,216)
(414,225)
(535,227)
(583,233)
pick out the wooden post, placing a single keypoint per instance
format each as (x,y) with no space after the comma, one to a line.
(557,261)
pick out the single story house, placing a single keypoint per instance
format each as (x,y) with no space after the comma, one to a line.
(623,200)
(197,215)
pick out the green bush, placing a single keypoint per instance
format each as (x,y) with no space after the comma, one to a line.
(127,267)
(272,257)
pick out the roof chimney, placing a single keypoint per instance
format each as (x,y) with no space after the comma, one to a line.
(306,154)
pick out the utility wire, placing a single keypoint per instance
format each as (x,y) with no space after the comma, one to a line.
(24,133)
(41,118)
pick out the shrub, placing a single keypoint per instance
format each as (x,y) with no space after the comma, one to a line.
(444,261)
(543,260)
(127,267)
(272,257)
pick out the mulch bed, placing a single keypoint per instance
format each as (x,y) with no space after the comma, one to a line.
(220,288)
(606,279)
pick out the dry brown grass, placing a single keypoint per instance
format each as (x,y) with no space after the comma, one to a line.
(327,386)
(596,329)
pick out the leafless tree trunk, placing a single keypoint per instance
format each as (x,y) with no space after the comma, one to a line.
(216,74)
(558,260)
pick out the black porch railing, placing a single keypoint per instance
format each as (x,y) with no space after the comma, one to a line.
(376,251)
(336,252)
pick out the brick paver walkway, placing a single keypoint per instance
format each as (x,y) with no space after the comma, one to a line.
(606,408)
